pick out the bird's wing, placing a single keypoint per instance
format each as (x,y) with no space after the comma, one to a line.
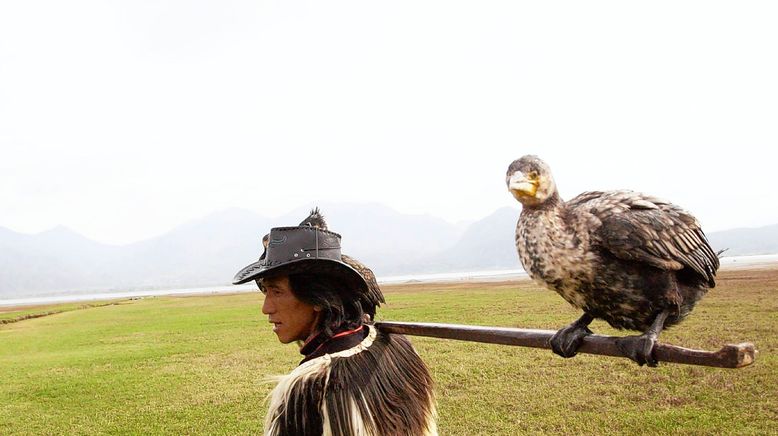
(638,227)
(582,199)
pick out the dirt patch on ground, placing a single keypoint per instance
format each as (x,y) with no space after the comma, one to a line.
(32,313)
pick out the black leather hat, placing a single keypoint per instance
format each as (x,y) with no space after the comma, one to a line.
(301,250)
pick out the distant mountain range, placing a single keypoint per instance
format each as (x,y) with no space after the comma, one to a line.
(208,251)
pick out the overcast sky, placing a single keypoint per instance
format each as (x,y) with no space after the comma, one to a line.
(123,119)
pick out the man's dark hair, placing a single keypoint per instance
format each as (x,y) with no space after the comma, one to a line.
(340,309)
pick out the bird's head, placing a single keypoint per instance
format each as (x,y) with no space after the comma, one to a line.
(529,180)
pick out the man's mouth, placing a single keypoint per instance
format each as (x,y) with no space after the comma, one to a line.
(276,324)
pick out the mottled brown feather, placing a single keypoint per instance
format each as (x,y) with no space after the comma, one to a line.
(640,227)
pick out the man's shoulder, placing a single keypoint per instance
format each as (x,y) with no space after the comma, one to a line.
(398,345)
(391,338)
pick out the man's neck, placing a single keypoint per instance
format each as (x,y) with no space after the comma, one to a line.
(322,343)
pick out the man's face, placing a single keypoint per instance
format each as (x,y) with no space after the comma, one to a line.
(292,319)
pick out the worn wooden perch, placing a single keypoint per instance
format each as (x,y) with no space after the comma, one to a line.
(730,356)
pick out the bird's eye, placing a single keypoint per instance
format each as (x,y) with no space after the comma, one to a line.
(533,175)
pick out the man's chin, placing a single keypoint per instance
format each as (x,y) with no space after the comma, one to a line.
(283,339)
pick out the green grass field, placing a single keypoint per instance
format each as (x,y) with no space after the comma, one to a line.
(199,365)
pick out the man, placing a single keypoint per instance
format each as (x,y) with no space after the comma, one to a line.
(353,379)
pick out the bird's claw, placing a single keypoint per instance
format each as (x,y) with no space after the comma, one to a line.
(566,341)
(638,348)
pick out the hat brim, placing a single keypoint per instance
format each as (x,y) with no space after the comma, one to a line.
(258,269)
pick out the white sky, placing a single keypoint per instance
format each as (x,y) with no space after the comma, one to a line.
(123,119)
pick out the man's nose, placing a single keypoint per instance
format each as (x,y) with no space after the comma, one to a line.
(267,306)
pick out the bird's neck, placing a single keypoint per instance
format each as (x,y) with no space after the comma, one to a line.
(552,222)
(553,204)
(554,200)
(552,249)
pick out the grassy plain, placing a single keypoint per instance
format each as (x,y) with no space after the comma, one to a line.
(199,365)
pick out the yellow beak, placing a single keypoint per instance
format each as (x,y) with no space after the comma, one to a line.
(521,186)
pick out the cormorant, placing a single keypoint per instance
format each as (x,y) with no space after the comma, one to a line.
(633,260)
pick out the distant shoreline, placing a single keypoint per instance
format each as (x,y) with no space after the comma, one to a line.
(731,262)
(756,261)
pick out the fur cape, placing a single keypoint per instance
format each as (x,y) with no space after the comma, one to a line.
(378,387)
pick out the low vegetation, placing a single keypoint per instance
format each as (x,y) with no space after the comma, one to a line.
(200,365)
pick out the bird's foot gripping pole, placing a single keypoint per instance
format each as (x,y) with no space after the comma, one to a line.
(566,341)
(641,348)
(729,356)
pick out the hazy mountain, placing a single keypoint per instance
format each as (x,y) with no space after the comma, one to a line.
(743,242)
(384,239)
(485,244)
(209,250)
(57,259)
(205,252)
(198,253)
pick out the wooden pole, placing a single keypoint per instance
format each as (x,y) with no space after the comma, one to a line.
(730,356)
